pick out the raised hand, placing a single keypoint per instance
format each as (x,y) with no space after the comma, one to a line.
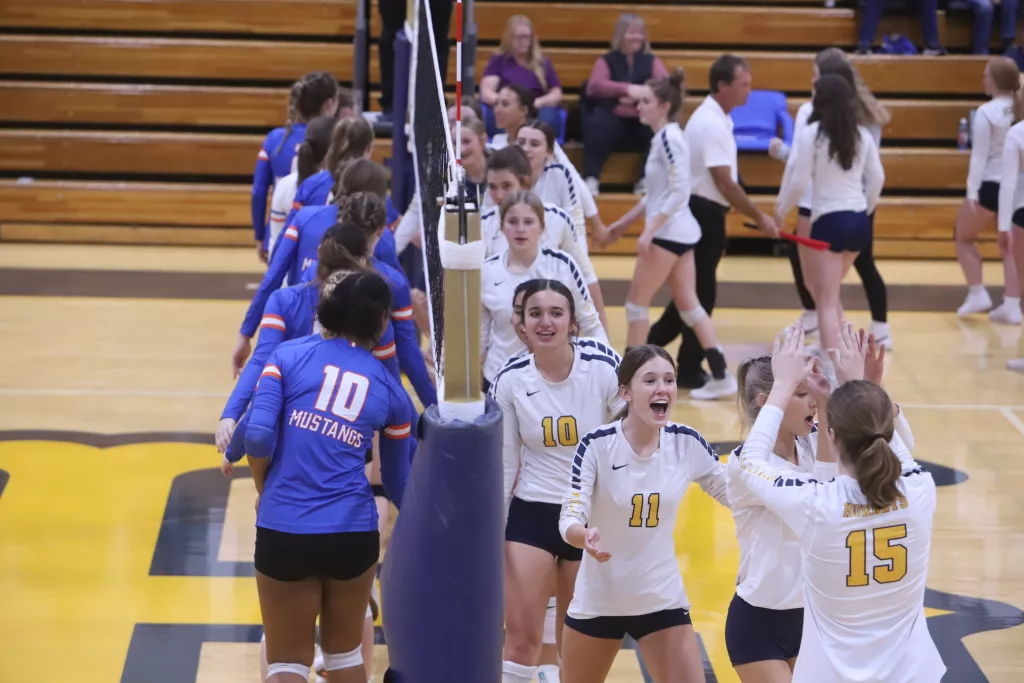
(790,365)
(818,386)
(874,361)
(848,356)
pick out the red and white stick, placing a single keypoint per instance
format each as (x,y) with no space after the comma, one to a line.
(458,85)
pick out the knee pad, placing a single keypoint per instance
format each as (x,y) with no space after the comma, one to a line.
(550,619)
(345,660)
(693,316)
(282,668)
(636,312)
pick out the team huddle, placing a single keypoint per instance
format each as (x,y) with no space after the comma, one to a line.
(833,515)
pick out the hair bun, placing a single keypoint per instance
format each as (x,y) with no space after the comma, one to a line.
(676,78)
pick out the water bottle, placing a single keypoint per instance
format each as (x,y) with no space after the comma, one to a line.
(963,136)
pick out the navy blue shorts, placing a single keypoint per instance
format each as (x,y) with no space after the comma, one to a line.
(536,524)
(1018,218)
(638,626)
(988,196)
(843,230)
(756,634)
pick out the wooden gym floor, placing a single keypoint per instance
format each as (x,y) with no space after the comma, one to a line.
(124,550)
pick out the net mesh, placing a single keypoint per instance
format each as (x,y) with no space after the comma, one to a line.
(433,159)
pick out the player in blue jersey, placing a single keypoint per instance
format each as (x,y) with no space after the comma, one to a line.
(352,139)
(315,95)
(317,407)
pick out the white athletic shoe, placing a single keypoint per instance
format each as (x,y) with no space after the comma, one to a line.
(1015,364)
(976,301)
(318,666)
(1006,314)
(882,334)
(715,389)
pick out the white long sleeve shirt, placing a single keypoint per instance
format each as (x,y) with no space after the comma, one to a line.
(800,121)
(498,338)
(863,568)
(500,141)
(769,573)
(992,120)
(1011,187)
(667,186)
(543,421)
(280,205)
(634,502)
(559,233)
(555,186)
(834,188)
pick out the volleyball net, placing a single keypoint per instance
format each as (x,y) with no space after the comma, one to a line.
(443,577)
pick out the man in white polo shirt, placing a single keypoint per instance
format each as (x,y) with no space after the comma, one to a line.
(715,189)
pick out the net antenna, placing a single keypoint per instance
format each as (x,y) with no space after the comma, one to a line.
(453,251)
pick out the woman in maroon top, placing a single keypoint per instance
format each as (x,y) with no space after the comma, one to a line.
(615,84)
(519,61)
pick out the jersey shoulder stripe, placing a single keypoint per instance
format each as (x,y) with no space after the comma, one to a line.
(562,256)
(513,364)
(568,177)
(664,142)
(581,450)
(587,342)
(673,428)
(492,258)
(600,357)
(486,214)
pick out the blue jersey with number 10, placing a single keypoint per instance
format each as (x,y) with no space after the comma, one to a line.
(315,412)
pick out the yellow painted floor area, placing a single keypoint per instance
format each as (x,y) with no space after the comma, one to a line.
(80,519)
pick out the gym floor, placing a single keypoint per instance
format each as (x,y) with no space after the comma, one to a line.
(124,549)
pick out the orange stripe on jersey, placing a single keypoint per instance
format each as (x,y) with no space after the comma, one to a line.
(263,155)
(402,313)
(398,431)
(296,205)
(274,321)
(384,352)
(271,370)
(292,233)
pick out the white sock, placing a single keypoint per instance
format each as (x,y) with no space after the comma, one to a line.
(976,289)
(548,673)
(879,329)
(517,673)
(1011,302)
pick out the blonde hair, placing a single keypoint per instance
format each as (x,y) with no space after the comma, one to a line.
(523,197)
(754,377)
(627,19)
(534,56)
(1007,77)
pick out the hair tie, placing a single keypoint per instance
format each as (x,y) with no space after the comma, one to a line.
(875,437)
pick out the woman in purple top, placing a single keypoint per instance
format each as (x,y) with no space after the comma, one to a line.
(615,84)
(519,61)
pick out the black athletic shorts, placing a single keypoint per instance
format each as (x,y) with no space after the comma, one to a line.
(638,626)
(536,524)
(677,248)
(294,557)
(988,195)
(757,634)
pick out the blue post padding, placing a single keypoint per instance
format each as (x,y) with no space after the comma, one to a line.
(443,577)
(401,160)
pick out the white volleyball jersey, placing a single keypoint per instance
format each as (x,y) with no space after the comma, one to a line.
(992,120)
(1011,185)
(769,574)
(833,187)
(500,141)
(498,338)
(543,421)
(864,569)
(559,233)
(667,185)
(555,186)
(592,345)
(634,503)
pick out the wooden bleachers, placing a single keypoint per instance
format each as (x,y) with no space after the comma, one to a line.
(99,98)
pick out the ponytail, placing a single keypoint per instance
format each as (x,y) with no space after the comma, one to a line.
(314,148)
(860,416)
(352,139)
(877,471)
(306,162)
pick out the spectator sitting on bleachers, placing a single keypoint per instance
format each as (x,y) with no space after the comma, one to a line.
(982,32)
(615,84)
(519,61)
(1016,51)
(871,16)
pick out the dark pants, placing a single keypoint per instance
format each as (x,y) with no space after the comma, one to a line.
(706,255)
(871,16)
(392,15)
(604,133)
(874,285)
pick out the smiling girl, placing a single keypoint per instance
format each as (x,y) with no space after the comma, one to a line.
(548,398)
(627,481)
